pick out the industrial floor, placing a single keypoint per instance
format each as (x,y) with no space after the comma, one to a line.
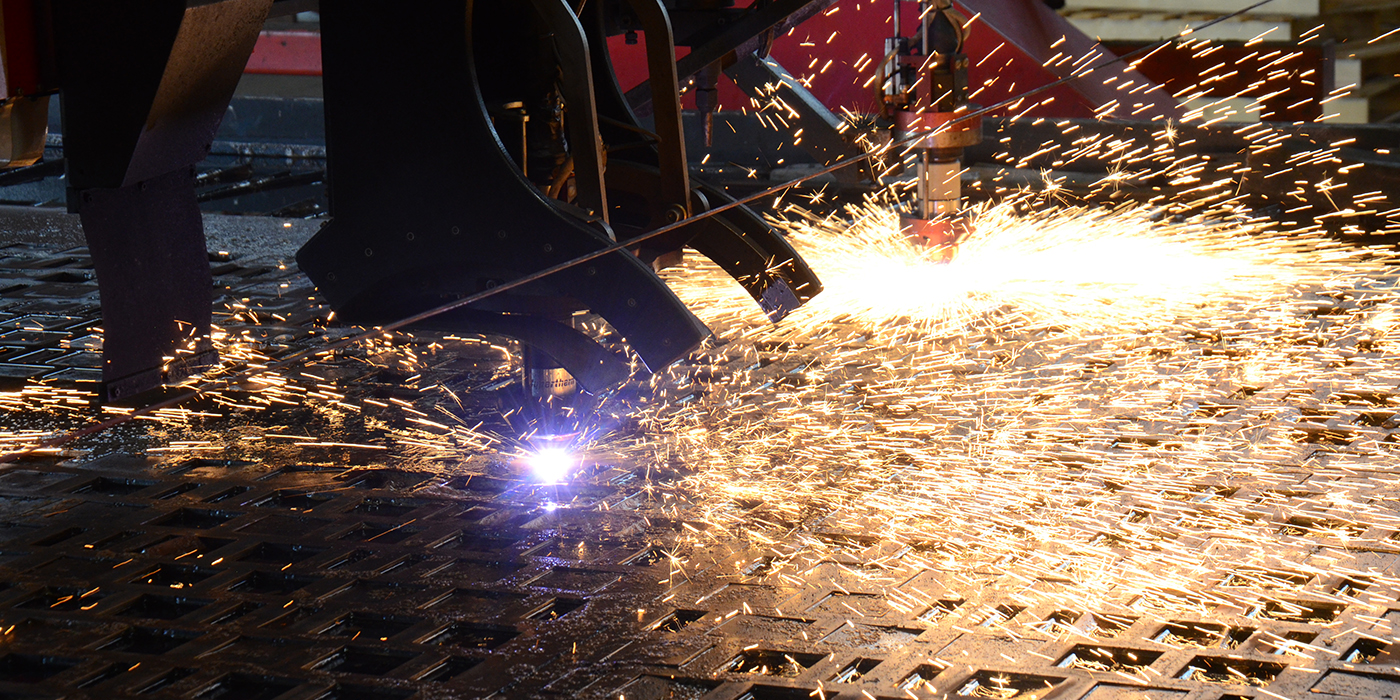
(343,532)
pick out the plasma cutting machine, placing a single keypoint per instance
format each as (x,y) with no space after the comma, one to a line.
(479,142)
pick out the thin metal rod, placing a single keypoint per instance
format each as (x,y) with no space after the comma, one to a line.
(923,30)
(925,189)
(297,357)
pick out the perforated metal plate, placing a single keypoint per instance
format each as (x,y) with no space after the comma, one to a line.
(323,573)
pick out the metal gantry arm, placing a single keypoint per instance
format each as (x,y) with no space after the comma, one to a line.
(720,37)
(764,80)
(576,84)
(739,241)
(664,79)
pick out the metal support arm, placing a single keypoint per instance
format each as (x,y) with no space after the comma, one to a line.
(764,79)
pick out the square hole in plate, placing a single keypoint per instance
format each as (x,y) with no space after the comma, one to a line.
(289,618)
(165,680)
(350,559)
(64,599)
(678,620)
(855,671)
(269,582)
(382,533)
(63,535)
(939,610)
(921,678)
(237,612)
(1214,669)
(373,662)
(173,576)
(1005,686)
(1000,615)
(384,479)
(1339,683)
(32,668)
(1298,611)
(1091,657)
(1202,634)
(1295,642)
(281,554)
(108,486)
(113,540)
(450,668)
(555,609)
(196,518)
(160,607)
(177,491)
(228,494)
(146,640)
(767,662)
(1057,622)
(1365,651)
(389,507)
(300,501)
(180,547)
(364,692)
(854,605)
(369,627)
(103,676)
(244,686)
(648,686)
(1104,626)
(471,635)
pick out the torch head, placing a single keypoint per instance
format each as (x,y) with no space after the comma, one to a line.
(939,236)
(933,117)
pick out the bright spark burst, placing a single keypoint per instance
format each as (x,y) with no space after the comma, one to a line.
(552,465)
(1074,402)
(1080,268)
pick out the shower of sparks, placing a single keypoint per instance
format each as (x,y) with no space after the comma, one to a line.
(1078,268)
(1108,408)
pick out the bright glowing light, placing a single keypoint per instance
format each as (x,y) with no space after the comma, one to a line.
(994,413)
(1076,267)
(552,465)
